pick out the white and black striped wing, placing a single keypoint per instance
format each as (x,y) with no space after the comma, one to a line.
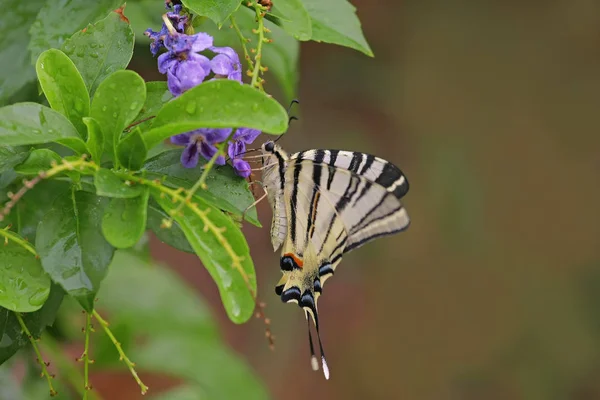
(346,198)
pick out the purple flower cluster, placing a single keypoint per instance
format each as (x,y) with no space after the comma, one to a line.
(202,142)
(186,68)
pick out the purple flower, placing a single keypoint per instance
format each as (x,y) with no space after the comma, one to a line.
(226,63)
(185,68)
(158,38)
(200,142)
(237,147)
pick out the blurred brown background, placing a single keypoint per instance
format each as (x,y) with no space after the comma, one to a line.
(492,110)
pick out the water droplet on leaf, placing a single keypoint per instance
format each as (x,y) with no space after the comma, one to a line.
(39,297)
(190,107)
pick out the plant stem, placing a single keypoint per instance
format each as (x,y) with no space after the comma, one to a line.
(122,356)
(40,360)
(67,369)
(8,235)
(258,56)
(243,40)
(86,356)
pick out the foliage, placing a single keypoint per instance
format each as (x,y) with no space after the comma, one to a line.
(81,175)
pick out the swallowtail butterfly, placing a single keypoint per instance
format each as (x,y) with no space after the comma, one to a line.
(326,203)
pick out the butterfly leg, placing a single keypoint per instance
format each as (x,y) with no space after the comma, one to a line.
(254,204)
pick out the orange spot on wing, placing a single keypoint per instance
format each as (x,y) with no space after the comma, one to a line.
(297,260)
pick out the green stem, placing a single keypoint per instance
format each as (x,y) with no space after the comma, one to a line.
(261,39)
(243,40)
(122,356)
(67,368)
(37,353)
(8,235)
(86,356)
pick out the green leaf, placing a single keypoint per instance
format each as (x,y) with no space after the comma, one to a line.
(157,95)
(294,18)
(110,185)
(217,10)
(63,86)
(335,21)
(147,310)
(31,123)
(172,236)
(103,48)
(14,338)
(38,160)
(131,151)
(225,189)
(281,57)
(71,246)
(217,104)
(223,250)
(117,101)
(16,70)
(58,20)
(11,156)
(124,221)
(95,139)
(24,287)
(30,209)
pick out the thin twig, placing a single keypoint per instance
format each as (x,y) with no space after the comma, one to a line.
(85,357)
(40,360)
(9,235)
(243,40)
(122,356)
(128,127)
(67,369)
(261,39)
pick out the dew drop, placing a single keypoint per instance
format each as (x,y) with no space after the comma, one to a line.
(20,284)
(115,115)
(104,108)
(133,105)
(190,107)
(94,54)
(93,45)
(255,107)
(39,297)
(80,53)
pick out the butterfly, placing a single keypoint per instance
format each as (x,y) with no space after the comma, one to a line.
(326,203)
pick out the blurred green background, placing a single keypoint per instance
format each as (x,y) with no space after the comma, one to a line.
(491,109)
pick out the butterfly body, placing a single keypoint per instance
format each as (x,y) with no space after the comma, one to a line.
(326,203)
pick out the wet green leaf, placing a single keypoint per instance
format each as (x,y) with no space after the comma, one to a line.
(217,104)
(223,250)
(71,246)
(124,220)
(24,287)
(95,139)
(118,100)
(335,21)
(110,185)
(13,338)
(172,236)
(11,156)
(58,20)
(157,95)
(38,160)
(64,88)
(131,151)
(103,48)
(225,189)
(217,10)
(16,70)
(32,123)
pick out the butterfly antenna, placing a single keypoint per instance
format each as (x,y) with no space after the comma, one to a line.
(314,363)
(290,119)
